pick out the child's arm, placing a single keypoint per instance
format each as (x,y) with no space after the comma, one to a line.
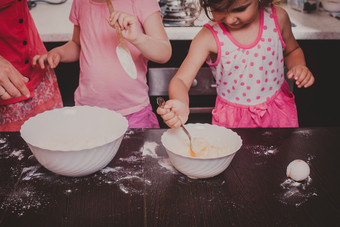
(68,52)
(176,110)
(293,54)
(154,44)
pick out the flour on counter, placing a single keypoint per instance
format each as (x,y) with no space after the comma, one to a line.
(28,197)
(296,193)
(30,172)
(303,132)
(267,133)
(130,159)
(6,152)
(128,180)
(262,150)
(128,133)
(310,158)
(3,143)
(165,163)
(110,170)
(149,148)
(127,174)
(24,199)
(17,153)
(9,153)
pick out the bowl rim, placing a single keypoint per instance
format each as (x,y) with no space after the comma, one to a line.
(202,158)
(205,158)
(112,138)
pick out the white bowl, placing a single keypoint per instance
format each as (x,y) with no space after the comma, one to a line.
(75,141)
(176,144)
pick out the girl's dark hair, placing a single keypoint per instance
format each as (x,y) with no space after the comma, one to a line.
(226,4)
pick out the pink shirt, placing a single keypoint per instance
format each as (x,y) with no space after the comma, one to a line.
(102,80)
(252,74)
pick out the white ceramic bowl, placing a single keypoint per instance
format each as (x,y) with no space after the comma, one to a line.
(176,144)
(75,141)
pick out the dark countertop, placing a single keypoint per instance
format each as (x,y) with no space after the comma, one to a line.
(140,187)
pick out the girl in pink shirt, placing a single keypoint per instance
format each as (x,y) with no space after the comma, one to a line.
(102,80)
(246,45)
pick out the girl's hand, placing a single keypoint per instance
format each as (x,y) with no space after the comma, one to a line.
(52,59)
(128,24)
(174,113)
(302,76)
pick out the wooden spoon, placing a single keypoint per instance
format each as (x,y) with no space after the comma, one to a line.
(122,49)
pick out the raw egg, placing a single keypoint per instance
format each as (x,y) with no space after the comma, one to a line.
(298,170)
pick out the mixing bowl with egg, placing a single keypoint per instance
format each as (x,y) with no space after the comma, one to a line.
(214,147)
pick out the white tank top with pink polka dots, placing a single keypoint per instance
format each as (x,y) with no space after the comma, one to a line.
(249,75)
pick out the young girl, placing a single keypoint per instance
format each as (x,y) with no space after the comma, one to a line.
(246,45)
(103,81)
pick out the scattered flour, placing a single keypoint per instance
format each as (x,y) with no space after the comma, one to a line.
(24,199)
(296,193)
(267,133)
(165,163)
(27,197)
(149,148)
(128,134)
(130,159)
(17,153)
(6,152)
(261,150)
(303,132)
(110,170)
(310,158)
(30,172)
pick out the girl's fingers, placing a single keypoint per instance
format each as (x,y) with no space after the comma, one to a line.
(309,82)
(126,21)
(34,60)
(304,80)
(53,61)
(42,62)
(290,74)
(115,19)
(173,123)
(168,116)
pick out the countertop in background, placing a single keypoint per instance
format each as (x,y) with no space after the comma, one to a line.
(54,26)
